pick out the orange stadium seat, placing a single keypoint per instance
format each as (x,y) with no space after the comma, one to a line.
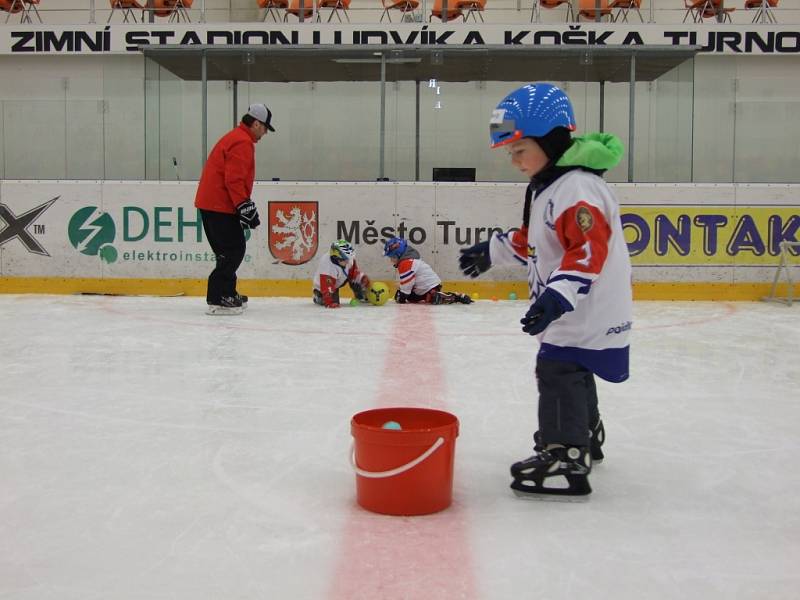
(294,9)
(272,8)
(127,7)
(452,12)
(471,7)
(707,9)
(11,7)
(407,7)
(588,10)
(26,7)
(175,10)
(622,7)
(335,6)
(763,8)
(551,4)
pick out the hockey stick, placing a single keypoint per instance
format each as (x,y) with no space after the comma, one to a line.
(175,295)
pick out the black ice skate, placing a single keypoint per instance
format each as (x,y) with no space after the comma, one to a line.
(228,305)
(555,473)
(597,439)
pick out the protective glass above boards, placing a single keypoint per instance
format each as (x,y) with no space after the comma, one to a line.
(451,63)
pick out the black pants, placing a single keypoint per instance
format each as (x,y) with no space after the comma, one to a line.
(567,402)
(226,237)
(426,297)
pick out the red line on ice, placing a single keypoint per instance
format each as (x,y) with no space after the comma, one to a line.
(414,558)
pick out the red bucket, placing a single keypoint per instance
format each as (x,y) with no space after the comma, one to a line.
(407,471)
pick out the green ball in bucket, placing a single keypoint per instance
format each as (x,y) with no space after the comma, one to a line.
(392,425)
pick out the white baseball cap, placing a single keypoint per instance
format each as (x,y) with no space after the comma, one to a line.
(261,113)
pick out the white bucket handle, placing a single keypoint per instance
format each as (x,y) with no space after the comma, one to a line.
(396,471)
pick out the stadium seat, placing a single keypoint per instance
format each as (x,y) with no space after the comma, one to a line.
(588,10)
(335,6)
(451,13)
(294,9)
(407,7)
(764,13)
(26,7)
(551,4)
(11,7)
(707,9)
(174,10)
(622,7)
(471,7)
(127,7)
(272,8)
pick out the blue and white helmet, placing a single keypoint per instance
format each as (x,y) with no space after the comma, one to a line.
(395,247)
(342,251)
(533,110)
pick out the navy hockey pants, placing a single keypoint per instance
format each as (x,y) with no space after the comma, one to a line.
(567,402)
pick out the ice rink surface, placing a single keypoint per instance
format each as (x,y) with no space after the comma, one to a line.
(148,451)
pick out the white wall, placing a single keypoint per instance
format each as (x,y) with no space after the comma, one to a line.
(133,229)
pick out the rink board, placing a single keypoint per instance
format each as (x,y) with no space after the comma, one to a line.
(685,241)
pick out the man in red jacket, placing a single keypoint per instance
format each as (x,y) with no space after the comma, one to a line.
(223,197)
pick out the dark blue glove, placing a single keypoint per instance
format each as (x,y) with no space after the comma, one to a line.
(475,259)
(248,214)
(400,297)
(549,306)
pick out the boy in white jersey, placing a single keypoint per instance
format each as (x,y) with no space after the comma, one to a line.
(335,268)
(579,276)
(418,281)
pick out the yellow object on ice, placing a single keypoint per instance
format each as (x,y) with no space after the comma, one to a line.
(378,293)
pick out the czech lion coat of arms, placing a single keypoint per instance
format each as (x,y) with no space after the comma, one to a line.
(293,228)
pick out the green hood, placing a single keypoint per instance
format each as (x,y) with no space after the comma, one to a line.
(597,151)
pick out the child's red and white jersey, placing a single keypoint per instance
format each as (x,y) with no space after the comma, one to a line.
(416,276)
(326,266)
(575,245)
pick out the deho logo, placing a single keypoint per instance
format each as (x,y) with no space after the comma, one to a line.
(91,232)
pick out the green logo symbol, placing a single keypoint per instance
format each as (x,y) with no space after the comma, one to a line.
(91,232)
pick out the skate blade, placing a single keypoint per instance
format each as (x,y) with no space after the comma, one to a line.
(551,497)
(219,311)
(551,494)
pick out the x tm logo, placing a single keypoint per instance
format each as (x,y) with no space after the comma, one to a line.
(17,226)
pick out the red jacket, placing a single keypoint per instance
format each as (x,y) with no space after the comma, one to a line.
(227,178)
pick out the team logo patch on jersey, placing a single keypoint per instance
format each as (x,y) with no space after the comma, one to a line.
(293,231)
(584,219)
(549,215)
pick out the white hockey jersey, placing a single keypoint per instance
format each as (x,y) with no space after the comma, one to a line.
(575,245)
(416,276)
(326,266)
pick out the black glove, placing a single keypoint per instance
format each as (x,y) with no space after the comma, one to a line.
(248,214)
(400,297)
(475,259)
(549,306)
(359,291)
